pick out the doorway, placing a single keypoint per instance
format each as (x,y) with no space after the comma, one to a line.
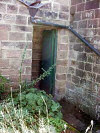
(44,56)
(49,47)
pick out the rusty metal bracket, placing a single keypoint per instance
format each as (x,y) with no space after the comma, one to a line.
(33,5)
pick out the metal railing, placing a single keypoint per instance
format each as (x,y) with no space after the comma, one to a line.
(39,22)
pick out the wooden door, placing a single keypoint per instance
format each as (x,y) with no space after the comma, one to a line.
(49,48)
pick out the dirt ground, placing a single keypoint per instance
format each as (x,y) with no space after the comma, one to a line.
(75,117)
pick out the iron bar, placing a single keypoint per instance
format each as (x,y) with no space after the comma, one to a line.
(39,22)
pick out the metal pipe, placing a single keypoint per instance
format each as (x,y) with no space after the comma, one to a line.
(85,41)
(39,22)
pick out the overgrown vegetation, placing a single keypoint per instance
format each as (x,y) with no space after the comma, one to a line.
(29,107)
(31,111)
(32,100)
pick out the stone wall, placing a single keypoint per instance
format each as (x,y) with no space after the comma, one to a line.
(16,31)
(15,34)
(83,72)
(61,61)
(36,52)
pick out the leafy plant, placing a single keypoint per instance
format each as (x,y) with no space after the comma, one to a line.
(31,100)
(58,124)
(35,109)
(61,125)
(3,82)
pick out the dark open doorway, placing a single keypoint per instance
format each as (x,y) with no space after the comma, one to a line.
(44,56)
(48,59)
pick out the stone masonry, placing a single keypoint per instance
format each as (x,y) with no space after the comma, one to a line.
(16,31)
(83,69)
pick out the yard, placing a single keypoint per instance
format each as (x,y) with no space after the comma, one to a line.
(49,66)
(31,111)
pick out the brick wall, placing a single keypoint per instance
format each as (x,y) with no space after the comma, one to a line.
(83,72)
(14,35)
(37,52)
(16,30)
(62,60)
